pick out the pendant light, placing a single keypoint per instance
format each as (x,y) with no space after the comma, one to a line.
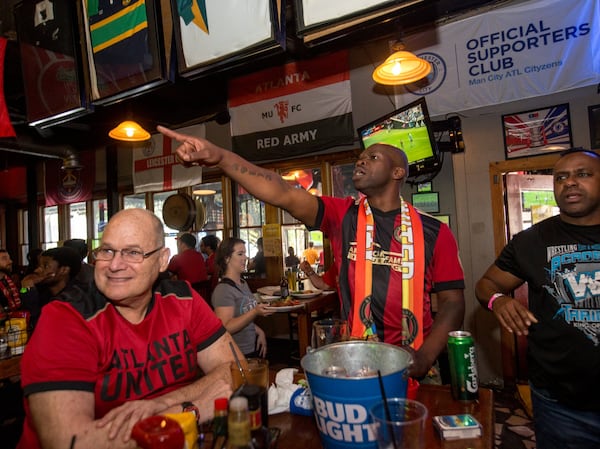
(401,67)
(129,131)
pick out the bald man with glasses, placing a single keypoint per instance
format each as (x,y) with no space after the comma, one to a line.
(132,348)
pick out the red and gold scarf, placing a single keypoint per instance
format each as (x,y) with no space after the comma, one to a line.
(10,292)
(409,242)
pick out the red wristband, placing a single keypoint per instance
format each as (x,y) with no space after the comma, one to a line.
(494,297)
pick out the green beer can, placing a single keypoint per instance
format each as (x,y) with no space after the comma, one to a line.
(463,366)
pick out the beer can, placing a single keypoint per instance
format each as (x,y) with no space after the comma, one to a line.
(463,366)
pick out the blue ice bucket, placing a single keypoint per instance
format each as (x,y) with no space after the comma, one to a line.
(344,384)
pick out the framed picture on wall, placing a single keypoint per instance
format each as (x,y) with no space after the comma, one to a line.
(536,132)
(594,118)
(51,61)
(215,35)
(125,49)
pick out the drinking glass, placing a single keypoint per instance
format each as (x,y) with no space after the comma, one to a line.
(405,427)
(327,331)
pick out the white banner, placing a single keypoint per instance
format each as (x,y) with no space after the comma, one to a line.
(294,109)
(156,168)
(527,50)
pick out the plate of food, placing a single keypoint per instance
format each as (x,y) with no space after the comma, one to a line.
(270,290)
(269,298)
(305,294)
(284,306)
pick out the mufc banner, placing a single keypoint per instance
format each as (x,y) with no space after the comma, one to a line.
(66,186)
(298,108)
(156,168)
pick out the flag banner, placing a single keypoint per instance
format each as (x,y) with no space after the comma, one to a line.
(6,128)
(214,29)
(506,55)
(298,108)
(156,167)
(66,186)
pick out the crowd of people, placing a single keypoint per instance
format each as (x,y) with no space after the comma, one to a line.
(108,321)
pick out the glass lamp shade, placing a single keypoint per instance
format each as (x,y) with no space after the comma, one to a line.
(129,131)
(402,67)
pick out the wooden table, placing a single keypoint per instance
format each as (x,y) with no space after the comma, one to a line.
(300,432)
(318,304)
(10,367)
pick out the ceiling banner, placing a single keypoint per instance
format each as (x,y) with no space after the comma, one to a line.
(506,55)
(294,109)
(70,185)
(156,167)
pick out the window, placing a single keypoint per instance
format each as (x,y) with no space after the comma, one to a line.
(100,217)
(251,219)
(50,239)
(78,220)
(136,200)
(158,199)
(210,195)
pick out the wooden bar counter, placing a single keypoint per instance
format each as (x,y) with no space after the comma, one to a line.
(300,432)
(10,367)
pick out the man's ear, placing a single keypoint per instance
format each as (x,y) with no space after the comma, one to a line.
(399,173)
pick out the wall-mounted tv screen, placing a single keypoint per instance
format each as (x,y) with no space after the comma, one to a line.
(408,128)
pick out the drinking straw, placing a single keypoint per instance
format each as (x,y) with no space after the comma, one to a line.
(388,416)
(239,364)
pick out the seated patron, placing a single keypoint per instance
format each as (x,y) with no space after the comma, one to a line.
(57,270)
(132,347)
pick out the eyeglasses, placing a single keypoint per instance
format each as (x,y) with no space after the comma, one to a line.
(128,255)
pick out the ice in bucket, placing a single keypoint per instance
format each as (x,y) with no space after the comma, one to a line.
(344,385)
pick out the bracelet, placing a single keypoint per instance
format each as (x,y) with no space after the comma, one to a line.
(311,273)
(494,297)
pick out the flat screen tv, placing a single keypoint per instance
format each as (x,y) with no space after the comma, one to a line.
(408,128)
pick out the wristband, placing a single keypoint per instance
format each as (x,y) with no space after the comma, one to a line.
(494,297)
(190,407)
(24,289)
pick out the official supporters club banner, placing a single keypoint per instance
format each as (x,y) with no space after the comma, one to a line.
(156,167)
(298,108)
(506,55)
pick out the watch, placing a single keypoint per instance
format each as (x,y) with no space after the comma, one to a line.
(188,406)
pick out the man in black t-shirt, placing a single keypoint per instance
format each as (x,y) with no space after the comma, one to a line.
(559,258)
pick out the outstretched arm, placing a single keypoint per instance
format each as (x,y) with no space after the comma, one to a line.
(511,314)
(266,185)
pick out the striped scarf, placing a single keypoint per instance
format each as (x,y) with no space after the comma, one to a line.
(410,244)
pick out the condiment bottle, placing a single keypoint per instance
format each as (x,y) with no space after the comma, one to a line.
(238,424)
(258,432)
(285,291)
(220,418)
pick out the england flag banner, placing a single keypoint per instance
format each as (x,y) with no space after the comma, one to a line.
(156,167)
(527,50)
(298,108)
